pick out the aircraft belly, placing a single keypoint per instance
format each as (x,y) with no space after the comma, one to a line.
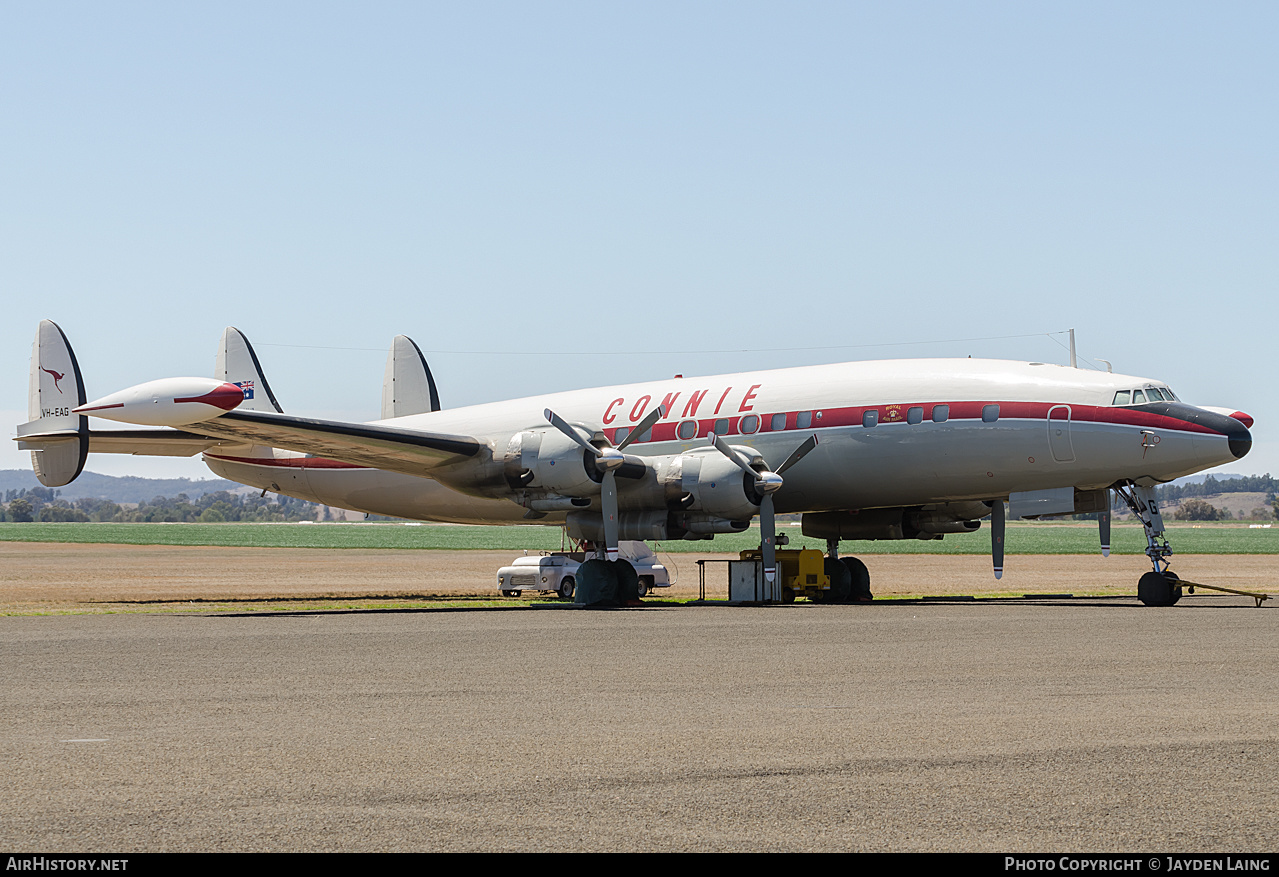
(404,496)
(373,491)
(290,481)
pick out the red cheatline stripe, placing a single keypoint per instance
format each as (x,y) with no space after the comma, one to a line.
(83,409)
(852,416)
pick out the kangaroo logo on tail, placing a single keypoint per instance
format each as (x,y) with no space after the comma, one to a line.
(56,377)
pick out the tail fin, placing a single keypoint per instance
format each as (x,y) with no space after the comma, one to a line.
(238,364)
(58,440)
(407,387)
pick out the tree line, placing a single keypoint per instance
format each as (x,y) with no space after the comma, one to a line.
(44,504)
(1170,493)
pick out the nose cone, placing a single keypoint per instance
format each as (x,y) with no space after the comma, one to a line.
(1240,440)
(1233,428)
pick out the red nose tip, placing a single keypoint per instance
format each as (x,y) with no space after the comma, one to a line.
(1245,419)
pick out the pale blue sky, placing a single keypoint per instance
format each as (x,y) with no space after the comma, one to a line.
(774,180)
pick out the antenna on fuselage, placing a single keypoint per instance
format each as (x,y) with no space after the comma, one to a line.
(1073,362)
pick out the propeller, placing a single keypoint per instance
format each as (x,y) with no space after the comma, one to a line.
(608,460)
(766,484)
(997,528)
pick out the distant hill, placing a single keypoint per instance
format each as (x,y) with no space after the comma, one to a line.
(1210,484)
(122,489)
(1235,503)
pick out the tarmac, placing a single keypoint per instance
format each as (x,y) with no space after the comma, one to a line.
(1080,726)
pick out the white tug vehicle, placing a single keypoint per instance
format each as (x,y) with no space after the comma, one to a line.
(556,571)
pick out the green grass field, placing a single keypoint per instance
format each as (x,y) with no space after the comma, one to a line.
(1022,538)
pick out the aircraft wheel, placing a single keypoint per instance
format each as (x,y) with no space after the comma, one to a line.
(861,579)
(596,584)
(1158,589)
(841,581)
(565,589)
(628,583)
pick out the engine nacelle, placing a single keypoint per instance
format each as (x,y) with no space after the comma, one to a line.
(636,526)
(711,483)
(703,525)
(548,464)
(895,523)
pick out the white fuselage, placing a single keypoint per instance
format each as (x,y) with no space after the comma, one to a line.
(884,441)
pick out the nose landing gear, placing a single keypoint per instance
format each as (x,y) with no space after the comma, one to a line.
(1159,587)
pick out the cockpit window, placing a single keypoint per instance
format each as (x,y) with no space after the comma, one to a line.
(1140,397)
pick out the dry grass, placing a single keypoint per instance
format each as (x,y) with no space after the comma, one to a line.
(42,578)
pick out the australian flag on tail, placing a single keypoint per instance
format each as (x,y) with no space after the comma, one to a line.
(247,387)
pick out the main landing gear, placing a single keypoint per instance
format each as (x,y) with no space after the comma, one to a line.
(603,582)
(1160,587)
(849,577)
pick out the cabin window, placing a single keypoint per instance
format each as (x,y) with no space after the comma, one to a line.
(941,413)
(870,417)
(989,413)
(646,435)
(804,419)
(621,434)
(1138,397)
(687,429)
(779,422)
(721,426)
(1123,397)
(915,414)
(748,425)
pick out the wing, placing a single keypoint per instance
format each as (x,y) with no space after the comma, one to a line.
(381,447)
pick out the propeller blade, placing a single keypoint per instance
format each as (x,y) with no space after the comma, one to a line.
(768,537)
(798,454)
(997,537)
(1103,528)
(563,426)
(723,447)
(608,502)
(643,426)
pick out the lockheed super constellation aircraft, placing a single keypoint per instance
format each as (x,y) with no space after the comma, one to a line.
(904,449)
